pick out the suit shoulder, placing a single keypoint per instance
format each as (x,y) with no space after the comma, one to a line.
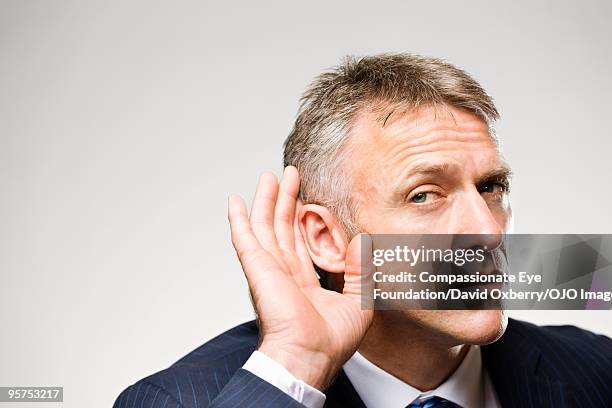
(564,335)
(231,342)
(199,376)
(568,349)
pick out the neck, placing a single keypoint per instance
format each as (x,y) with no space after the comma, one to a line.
(426,360)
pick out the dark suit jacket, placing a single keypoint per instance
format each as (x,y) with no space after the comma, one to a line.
(529,366)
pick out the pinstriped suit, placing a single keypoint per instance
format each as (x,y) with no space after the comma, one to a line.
(530,366)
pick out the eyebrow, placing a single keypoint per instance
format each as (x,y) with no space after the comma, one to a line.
(429,169)
(501,172)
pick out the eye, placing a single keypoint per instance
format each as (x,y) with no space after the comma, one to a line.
(423,197)
(493,188)
(419,198)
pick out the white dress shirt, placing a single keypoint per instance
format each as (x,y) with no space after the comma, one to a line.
(469,386)
(276,374)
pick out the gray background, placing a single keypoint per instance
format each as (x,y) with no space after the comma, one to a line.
(124,126)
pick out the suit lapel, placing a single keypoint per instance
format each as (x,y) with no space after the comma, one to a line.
(342,394)
(514,367)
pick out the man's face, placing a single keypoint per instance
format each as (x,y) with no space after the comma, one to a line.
(433,171)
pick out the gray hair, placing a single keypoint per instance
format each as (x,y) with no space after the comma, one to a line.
(381,84)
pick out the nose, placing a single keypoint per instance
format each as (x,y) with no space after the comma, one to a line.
(473,220)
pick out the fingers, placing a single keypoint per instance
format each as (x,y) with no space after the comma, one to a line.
(273,226)
(243,238)
(262,211)
(358,282)
(285,210)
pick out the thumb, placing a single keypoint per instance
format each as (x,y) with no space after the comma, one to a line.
(358,270)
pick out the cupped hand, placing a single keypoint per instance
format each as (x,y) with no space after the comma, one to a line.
(309,330)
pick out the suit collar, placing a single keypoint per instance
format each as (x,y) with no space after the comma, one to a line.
(514,366)
(342,393)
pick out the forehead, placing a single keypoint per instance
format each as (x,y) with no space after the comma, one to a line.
(442,135)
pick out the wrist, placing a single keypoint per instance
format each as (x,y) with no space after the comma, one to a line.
(315,368)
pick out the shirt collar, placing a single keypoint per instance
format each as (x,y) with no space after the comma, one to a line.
(379,389)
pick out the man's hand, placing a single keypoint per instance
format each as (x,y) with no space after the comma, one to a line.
(309,330)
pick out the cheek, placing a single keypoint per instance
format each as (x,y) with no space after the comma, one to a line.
(375,217)
(382,220)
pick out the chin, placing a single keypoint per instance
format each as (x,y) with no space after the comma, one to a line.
(478,327)
(455,327)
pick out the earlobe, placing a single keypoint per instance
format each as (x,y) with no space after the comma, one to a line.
(324,237)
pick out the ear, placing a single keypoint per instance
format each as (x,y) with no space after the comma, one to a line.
(324,237)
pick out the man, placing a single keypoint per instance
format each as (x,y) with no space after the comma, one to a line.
(393,143)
